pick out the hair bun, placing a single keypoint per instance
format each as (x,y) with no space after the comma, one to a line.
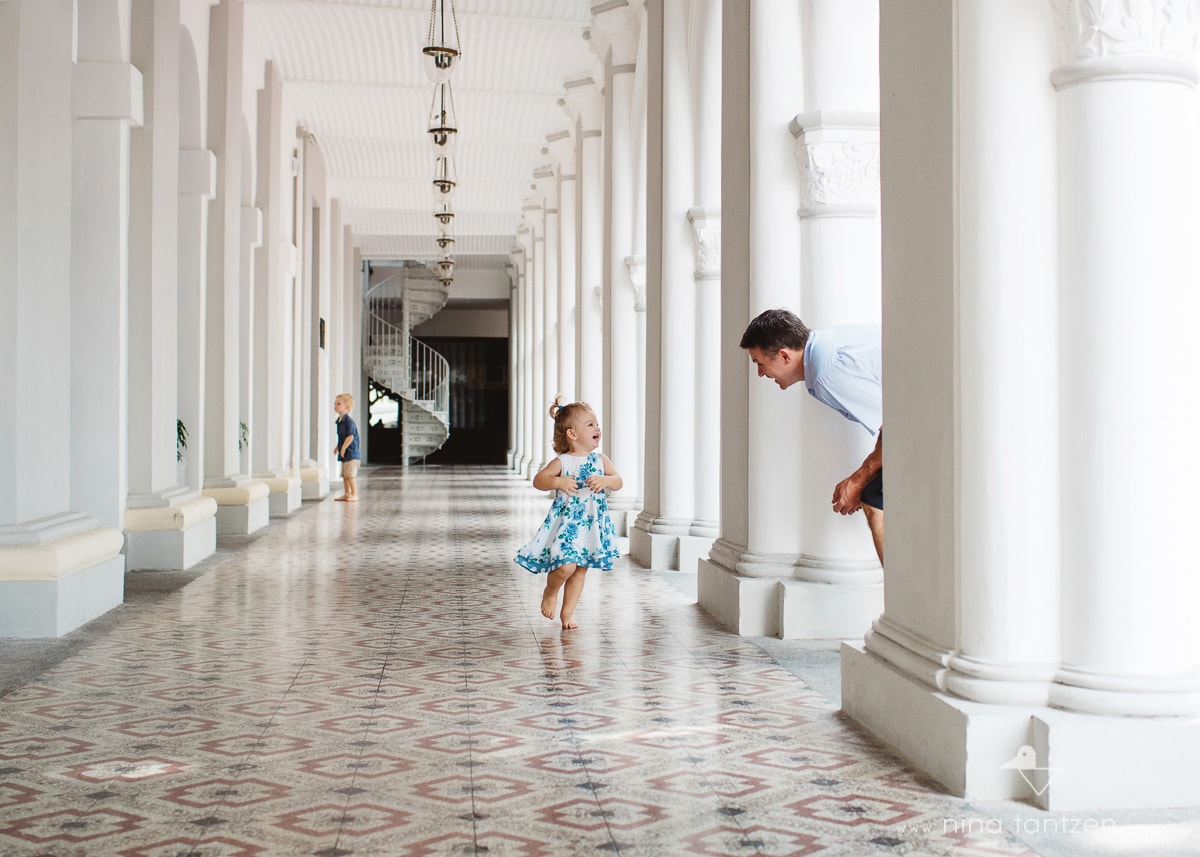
(556,407)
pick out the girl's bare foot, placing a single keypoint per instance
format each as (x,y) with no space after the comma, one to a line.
(351,499)
(549,601)
(569,623)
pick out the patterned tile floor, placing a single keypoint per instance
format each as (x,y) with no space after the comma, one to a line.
(376,679)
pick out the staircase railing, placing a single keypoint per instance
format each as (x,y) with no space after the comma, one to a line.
(412,371)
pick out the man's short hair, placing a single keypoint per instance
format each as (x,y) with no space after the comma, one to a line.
(775,329)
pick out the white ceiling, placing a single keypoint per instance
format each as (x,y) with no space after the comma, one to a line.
(354,73)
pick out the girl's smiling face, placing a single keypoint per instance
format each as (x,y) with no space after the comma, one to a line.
(587,432)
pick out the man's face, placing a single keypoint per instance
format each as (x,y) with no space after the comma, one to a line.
(785,366)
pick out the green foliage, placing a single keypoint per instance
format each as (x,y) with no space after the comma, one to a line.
(181,439)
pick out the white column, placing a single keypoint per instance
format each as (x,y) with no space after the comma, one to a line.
(166,526)
(669,485)
(839,588)
(58,568)
(1129,267)
(270,442)
(587,105)
(618,24)
(562,150)
(705,217)
(546,180)
(536,278)
(986,592)
(528,406)
(515,361)
(107,102)
(242,502)
(741,581)
(197,187)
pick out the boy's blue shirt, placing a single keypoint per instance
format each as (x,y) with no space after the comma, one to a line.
(347,428)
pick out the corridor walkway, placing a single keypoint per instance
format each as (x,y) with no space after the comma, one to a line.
(376,679)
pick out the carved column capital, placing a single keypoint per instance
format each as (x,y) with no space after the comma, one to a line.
(1127,39)
(706,231)
(584,100)
(616,27)
(837,155)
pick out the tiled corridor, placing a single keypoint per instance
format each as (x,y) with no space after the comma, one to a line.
(376,679)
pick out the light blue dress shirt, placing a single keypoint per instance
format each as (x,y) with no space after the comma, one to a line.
(843,367)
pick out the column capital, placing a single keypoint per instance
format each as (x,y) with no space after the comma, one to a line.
(561,148)
(637,278)
(1126,40)
(837,156)
(616,27)
(706,231)
(545,179)
(584,101)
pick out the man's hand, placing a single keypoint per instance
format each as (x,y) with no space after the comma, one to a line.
(847,495)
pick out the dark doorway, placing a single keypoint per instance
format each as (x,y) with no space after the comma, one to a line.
(478,400)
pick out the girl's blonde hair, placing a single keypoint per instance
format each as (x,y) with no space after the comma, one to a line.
(564,416)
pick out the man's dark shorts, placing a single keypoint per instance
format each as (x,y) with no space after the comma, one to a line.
(872,493)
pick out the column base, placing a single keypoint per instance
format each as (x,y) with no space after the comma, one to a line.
(51,588)
(285,495)
(828,611)
(314,483)
(693,549)
(171,537)
(241,510)
(666,551)
(748,606)
(1078,761)
(659,551)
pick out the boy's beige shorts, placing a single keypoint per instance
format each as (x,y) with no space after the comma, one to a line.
(350,469)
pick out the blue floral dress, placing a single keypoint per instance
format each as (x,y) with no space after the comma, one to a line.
(578,529)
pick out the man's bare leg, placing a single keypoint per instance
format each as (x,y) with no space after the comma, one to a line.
(875,522)
(554,582)
(571,592)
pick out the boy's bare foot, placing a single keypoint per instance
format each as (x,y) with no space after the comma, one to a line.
(569,623)
(549,602)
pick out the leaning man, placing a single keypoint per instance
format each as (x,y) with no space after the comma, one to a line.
(843,368)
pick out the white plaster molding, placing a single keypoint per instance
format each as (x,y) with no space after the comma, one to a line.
(616,27)
(52,528)
(561,145)
(57,559)
(583,100)
(107,90)
(1094,29)
(198,173)
(837,155)
(252,230)
(637,278)
(706,230)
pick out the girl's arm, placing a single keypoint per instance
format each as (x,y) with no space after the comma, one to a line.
(611,480)
(549,478)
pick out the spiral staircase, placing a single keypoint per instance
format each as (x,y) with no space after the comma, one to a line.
(406,368)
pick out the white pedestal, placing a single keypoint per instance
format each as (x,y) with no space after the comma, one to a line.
(242,509)
(693,549)
(748,606)
(172,536)
(285,495)
(1083,761)
(314,483)
(828,611)
(659,551)
(49,588)
(171,549)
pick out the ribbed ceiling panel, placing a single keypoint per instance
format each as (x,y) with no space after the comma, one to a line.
(353,76)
